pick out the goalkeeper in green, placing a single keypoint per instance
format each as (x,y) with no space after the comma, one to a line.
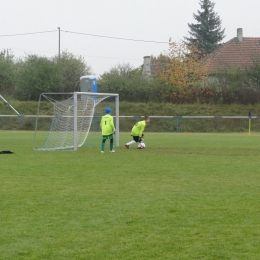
(137,132)
(108,129)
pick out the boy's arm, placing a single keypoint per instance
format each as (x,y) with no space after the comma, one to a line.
(141,130)
(112,123)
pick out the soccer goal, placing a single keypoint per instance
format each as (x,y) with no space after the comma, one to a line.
(67,118)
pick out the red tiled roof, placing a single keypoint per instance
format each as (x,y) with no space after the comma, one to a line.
(234,53)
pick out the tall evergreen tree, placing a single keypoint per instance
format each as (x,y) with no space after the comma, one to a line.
(206,34)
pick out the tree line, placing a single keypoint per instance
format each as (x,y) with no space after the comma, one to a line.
(177,76)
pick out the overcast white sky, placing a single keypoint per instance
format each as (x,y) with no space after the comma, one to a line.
(148,20)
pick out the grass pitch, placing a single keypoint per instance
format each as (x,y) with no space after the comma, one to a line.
(185,196)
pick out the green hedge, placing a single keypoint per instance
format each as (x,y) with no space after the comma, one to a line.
(140,109)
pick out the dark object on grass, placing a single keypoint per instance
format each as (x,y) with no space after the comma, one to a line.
(5,152)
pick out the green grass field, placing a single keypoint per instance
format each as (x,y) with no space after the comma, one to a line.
(186,196)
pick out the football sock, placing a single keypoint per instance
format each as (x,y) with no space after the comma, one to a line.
(102,146)
(111,146)
(131,142)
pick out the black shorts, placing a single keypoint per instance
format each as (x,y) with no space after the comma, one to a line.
(136,138)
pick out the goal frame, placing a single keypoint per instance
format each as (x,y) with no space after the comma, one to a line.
(75,115)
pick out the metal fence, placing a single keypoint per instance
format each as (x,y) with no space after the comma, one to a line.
(199,124)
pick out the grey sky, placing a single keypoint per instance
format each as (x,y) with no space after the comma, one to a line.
(155,20)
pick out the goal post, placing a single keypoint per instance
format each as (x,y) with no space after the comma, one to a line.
(70,117)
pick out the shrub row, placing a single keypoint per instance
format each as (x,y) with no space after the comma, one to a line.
(137,110)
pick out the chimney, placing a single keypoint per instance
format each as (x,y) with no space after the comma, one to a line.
(147,67)
(239,34)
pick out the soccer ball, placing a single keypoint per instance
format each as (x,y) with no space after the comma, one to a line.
(141,145)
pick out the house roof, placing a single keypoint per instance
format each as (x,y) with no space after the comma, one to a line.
(234,53)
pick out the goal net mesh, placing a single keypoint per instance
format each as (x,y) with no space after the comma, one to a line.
(56,111)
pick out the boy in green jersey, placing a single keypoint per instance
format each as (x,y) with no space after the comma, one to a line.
(137,131)
(108,129)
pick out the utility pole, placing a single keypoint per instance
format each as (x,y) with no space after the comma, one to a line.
(59,41)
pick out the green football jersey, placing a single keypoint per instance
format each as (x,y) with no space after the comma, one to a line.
(138,128)
(107,124)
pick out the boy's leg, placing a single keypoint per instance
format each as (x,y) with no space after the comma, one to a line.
(135,140)
(111,144)
(131,142)
(103,143)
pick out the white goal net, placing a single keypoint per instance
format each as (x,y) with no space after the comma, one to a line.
(68,116)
